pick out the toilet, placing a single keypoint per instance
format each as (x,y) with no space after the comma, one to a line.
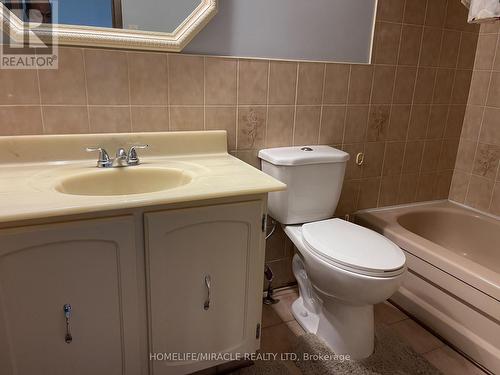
(342,269)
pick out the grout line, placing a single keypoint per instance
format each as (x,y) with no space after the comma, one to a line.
(321,108)
(345,111)
(267,100)
(204,93)
(82,51)
(296,100)
(40,98)
(236,140)
(168,93)
(127,58)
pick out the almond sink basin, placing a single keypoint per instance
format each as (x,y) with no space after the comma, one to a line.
(123,181)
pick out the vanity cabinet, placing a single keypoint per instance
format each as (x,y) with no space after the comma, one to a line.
(190,276)
(204,282)
(90,265)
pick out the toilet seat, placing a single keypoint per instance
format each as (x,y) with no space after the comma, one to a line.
(353,248)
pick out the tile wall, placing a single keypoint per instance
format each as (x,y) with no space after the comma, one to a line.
(476,180)
(404,111)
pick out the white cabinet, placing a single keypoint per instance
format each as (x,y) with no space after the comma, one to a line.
(90,265)
(204,274)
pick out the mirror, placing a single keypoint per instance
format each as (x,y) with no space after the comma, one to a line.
(140,24)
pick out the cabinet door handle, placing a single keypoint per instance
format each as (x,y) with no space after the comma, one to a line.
(67,315)
(208,283)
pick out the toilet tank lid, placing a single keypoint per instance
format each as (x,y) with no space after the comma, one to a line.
(303,155)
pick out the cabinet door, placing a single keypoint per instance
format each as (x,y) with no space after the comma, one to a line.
(90,265)
(184,248)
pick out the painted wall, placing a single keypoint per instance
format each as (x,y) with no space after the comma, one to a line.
(290,29)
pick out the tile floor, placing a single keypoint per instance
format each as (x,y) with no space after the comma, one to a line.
(280,330)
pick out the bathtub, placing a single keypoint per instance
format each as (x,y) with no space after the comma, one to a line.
(453,283)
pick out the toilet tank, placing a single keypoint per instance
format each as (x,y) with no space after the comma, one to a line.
(314,177)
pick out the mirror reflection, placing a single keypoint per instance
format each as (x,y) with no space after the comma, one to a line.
(145,15)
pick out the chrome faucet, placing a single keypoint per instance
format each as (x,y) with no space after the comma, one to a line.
(122,159)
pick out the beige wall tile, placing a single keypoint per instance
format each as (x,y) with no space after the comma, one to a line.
(389,190)
(494,91)
(448,154)
(479,193)
(222,118)
(386,42)
(390,10)
(109,119)
(415,11)
(383,84)
(65,119)
(25,120)
(419,121)
(149,119)
(368,193)
(393,160)
(408,188)
(424,86)
(426,186)
(220,81)
(405,84)
(461,87)
(444,86)
(490,131)
(282,82)
(66,84)
(467,52)
(307,120)
(310,85)
(251,127)
(185,79)
(353,170)
(465,156)
(253,78)
(450,49)
(411,39)
(336,83)
(348,201)
(148,78)
(356,124)
(378,122)
(432,150)
(374,158)
(431,46)
(18,87)
(443,183)
(479,87)
(455,121)
(436,12)
(459,185)
(280,126)
(332,125)
(107,76)
(398,124)
(495,202)
(437,121)
(486,47)
(472,122)
(413,156)
(360,84)
(486,160)
(186,118)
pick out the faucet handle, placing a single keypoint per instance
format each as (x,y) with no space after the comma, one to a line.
(133,159)
(104,160)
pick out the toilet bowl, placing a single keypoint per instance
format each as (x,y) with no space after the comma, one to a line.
(336,300)
(342,269)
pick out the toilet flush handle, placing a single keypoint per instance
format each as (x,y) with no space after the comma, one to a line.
(208,284)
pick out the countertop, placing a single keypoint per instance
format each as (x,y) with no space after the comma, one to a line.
(34,165)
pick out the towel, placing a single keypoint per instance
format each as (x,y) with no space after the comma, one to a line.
(483,10)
